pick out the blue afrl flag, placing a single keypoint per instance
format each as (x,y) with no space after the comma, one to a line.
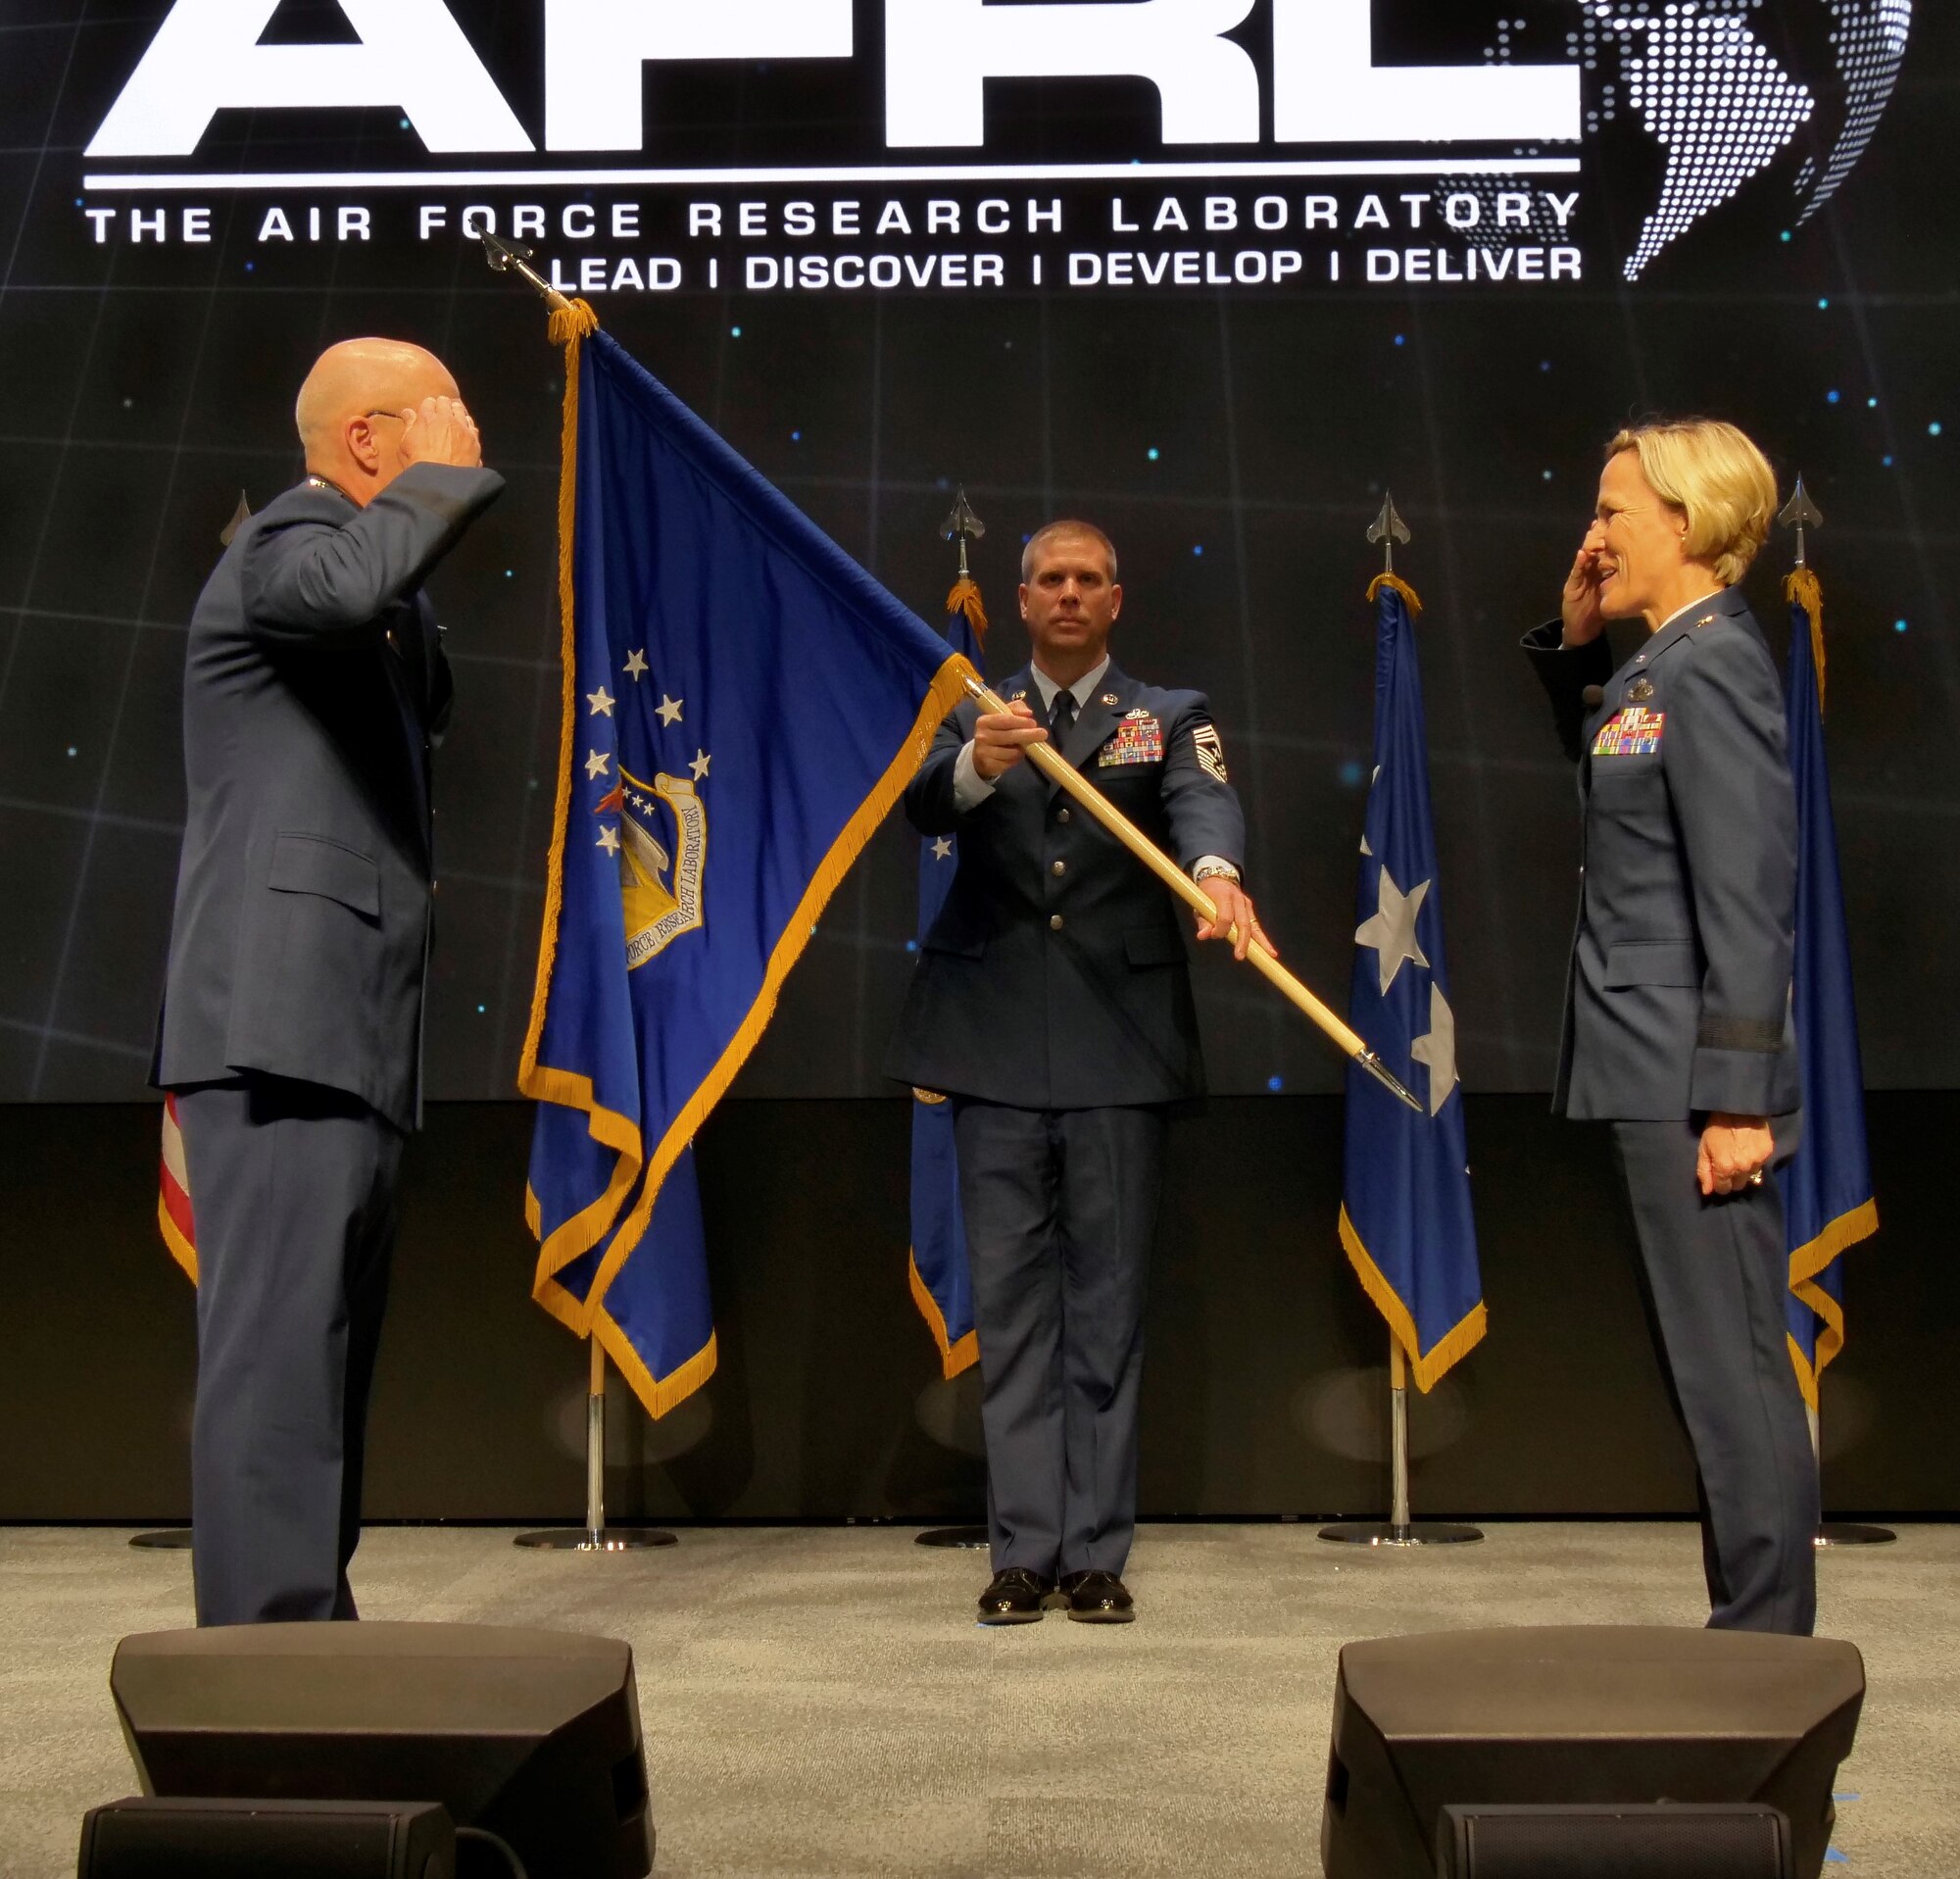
(1405,1216)
(941,1286)
(742,705)
(1827,1185)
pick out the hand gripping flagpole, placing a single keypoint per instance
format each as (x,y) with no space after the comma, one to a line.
(1801,514)
(595,1536)
(1399,1530)
(1071,781)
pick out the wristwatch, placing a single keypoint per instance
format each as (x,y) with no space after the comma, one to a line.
(1212,868)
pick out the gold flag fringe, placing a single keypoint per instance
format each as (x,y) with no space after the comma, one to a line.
(1426,1367)
(1408,593)
(1802,589)
(965,599)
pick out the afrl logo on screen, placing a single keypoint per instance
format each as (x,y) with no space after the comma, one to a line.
(939,55)
(1701,81)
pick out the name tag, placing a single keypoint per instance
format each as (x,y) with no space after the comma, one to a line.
(1139,739)
(1633,732)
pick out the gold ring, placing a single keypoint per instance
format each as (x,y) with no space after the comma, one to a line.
(1756,1179)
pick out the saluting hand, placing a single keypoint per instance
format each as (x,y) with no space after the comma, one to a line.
(1580,603)
(441,432)
(1001,739)
(1235,910)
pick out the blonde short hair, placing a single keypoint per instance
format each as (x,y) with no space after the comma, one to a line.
(1716,477)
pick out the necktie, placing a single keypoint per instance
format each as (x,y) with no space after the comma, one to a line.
(1062,715)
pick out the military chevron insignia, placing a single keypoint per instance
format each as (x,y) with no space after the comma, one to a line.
(1211,752)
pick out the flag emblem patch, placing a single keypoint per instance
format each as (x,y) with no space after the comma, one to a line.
(1139,739)
(1633,732)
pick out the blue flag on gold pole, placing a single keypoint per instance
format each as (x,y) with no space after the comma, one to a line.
(1405,1216)
(942,1285)
(742,704)
(1827,1184)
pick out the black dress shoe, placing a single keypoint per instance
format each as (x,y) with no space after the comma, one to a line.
(1099,1598)
(1014,1595)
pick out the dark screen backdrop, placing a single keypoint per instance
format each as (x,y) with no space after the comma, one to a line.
(1235,440)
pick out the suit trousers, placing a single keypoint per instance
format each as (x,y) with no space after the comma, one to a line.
(1061,1209)
(1714,1273)
(292,1190)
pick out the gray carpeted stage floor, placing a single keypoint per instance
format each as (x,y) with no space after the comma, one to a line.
(816,1702)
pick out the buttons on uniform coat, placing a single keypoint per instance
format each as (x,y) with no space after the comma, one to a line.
(1061,815)
(1057,867)
(1054,922)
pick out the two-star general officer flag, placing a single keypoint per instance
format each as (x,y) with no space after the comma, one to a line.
(942,1285)
(1827,1184)
(742,705)
(1405,1216)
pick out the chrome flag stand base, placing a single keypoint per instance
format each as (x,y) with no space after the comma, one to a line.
(970,1539)
(1842,1533)
(595,1536)
(163,1540)
(1399,1530)
(1852,1533)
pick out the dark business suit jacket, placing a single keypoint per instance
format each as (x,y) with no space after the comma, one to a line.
(1678,998)
(313,685)
(1055,976)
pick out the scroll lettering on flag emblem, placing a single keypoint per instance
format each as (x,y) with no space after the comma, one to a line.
(1827,1184)
(1405,1216)
(942,1287)
(742,704)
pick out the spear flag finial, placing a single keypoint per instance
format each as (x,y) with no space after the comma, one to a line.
(1388,529)
(1800,513)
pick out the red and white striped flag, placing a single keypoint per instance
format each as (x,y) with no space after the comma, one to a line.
(174,1194)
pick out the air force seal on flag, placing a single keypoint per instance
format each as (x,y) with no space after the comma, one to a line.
(660,888)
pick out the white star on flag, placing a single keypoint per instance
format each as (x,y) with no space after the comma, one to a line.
(609,840)
(942,849)
(636,665)
(600,702)
(670,708)
(1391,929)
(596,762)
(1437,1047)
(700,765)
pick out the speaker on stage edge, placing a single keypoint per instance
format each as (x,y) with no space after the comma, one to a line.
(1609,1715)
(533,1736)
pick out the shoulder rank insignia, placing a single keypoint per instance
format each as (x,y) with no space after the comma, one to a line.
(1633,732)
(1211,752)
(1139,739)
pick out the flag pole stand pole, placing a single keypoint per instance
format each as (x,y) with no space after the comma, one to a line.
(595,1536)
(1839,1533)
(1399,1530)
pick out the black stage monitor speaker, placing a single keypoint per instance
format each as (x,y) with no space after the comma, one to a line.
(532,1735)
(1594,1715)
(1667,1842)
(251,1839)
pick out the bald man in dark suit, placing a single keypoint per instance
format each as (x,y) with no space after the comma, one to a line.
(315,686)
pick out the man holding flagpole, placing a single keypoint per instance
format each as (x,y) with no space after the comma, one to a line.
(1051,1003)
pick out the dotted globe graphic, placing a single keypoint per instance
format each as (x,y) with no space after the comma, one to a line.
(1702,82)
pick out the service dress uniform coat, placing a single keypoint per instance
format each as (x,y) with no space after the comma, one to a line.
(315,685)
(1052,1001)
(1677,1007)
